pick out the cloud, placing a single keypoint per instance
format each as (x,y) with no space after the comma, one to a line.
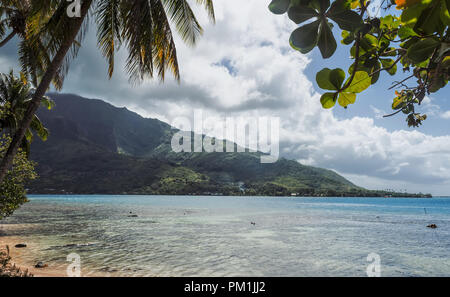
(446,115)
(243,66)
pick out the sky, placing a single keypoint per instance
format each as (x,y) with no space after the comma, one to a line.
(243,66)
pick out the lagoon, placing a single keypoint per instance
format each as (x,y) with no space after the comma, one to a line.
(214,236)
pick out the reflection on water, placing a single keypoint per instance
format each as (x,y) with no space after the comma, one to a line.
(213,236)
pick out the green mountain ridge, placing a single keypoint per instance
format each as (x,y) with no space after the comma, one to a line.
(96,148)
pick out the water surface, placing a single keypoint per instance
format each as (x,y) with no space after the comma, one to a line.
(213,236)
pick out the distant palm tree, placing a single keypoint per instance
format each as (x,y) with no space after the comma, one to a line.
(142,26)
(15,96)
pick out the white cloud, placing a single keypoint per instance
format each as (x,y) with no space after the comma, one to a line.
(243,66)
(446,115)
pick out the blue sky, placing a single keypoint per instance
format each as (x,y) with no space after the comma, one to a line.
(244,66)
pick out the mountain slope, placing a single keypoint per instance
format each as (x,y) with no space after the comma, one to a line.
(95,147)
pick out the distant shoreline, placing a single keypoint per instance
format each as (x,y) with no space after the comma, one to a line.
(243,195)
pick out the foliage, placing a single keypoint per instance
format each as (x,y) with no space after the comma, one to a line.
(418,40)
(15,97)
(12,189)
(10,270)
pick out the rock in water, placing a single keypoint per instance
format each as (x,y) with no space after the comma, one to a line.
(40,265)
(21,245)
(432,226)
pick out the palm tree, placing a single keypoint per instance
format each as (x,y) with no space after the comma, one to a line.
(15,95)
(13,14)
(142,26)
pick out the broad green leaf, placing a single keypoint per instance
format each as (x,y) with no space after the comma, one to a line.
(306,37)
(323,80)
(429,20)
(299,14)
(346,98)
(445,15)
(388,63)
(344,17)
(372,68)
(279,6)
(327,43)
(330,79)
(369,42)
(337,77)
(347,38)
(360,82)
(405,32)
(422,50)
(410,15)
(320,5)
(375,76)
(328,100)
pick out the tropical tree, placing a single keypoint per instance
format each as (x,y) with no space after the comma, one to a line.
(12,188)
(13,14)
(416,39)
(15,95)
(142,26)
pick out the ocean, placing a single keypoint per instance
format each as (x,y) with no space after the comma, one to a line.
(235,236)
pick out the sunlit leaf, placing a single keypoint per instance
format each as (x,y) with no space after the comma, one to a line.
(328,100)
(346,98)
(360,82)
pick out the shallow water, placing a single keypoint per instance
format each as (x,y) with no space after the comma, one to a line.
(213,236)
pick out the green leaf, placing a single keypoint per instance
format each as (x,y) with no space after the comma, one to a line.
(330,79)
(337,77)
(299,14)
(445,15)
(347,38)
(328,100)
(388,63)
(429,20)
(323,79)
(279,6)
(346,98)
(344,17)
(406,32)
(327,43)
(305,38)
(422,50)
(369,42)
(320,5)
(411,14)
(360,82)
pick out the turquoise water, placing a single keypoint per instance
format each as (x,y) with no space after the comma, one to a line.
(213,236)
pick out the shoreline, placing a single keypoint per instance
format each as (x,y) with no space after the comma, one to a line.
(19,259)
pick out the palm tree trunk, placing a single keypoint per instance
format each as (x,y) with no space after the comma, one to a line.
(7,39)
(42,89)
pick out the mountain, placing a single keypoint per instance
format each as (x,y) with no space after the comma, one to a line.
(96,148)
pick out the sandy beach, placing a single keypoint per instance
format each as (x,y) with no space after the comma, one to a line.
(18,257)
(21,258)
